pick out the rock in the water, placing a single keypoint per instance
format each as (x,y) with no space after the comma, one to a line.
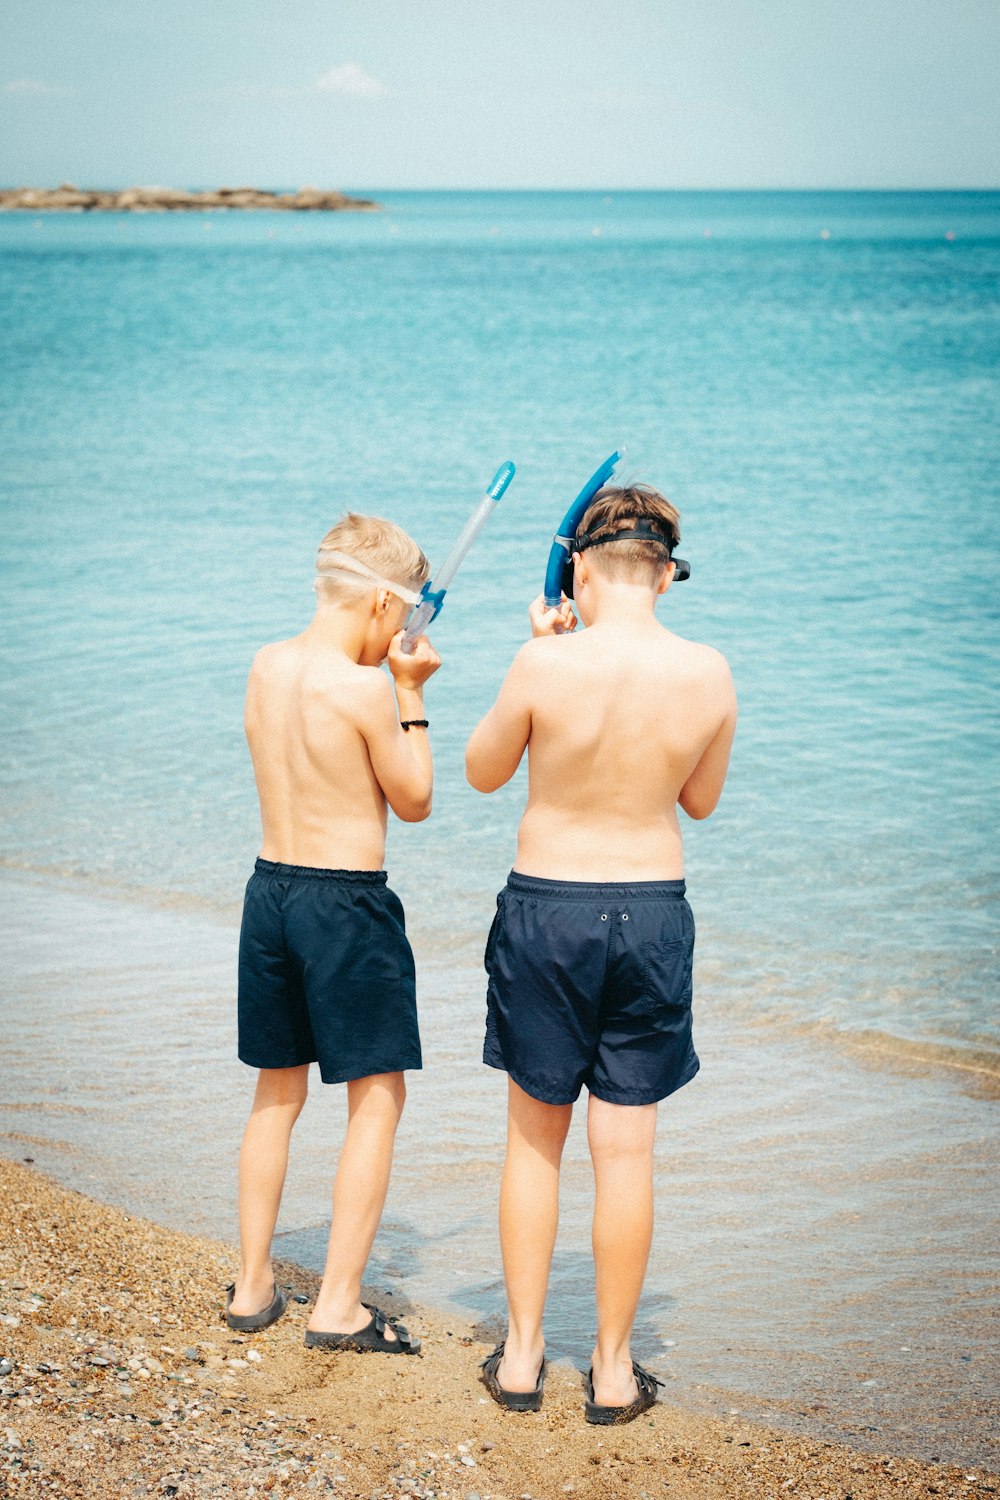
(67,198)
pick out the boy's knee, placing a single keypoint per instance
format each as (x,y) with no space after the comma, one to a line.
(283,1088)
(621,1130)
(381,1093)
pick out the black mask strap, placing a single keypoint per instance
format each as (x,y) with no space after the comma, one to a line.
(644,530)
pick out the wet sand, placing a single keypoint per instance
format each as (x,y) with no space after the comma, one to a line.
(825,1252)
(123,1380)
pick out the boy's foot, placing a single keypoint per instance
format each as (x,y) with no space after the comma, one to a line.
(614,1416)
(254,1322)
(369,1339)
(512,1400)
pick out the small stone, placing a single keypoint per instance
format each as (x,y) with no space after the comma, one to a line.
(13,1437)
(192,1354)
(6,1368)
(254,1355)
(468,1460)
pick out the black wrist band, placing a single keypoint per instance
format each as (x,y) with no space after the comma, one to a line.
(414,724)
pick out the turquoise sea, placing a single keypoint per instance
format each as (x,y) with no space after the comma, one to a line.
(188,402)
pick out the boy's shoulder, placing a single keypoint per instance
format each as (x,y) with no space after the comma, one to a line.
(556,653)
(706,658)
(295,661)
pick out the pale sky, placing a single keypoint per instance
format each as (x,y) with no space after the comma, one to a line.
(501,93)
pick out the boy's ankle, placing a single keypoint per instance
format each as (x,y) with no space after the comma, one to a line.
(618,1356)
(253,1290)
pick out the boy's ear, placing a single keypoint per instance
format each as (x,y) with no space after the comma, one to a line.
(667,577)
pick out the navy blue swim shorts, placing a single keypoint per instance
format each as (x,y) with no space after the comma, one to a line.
(326,973)
(591,984)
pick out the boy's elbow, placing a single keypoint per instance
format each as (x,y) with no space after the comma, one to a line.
(698,808)
(418,810)
(474,774)
(696,813)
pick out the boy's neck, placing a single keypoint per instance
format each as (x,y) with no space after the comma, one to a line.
(624,605)
(338,629)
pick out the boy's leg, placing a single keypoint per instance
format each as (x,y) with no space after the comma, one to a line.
(278,1101)
(529,1215)
(621,1147)
(374,1106)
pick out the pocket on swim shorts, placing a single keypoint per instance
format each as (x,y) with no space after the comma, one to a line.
(493,934)
(388,955)
(667,967)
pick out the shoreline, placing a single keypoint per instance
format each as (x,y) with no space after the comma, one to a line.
(125,1380)
(828,1272)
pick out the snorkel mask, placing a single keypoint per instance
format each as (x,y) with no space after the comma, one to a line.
(559,571)
(330,562)
(645,529)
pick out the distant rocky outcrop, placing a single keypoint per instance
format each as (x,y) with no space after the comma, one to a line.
(145,200)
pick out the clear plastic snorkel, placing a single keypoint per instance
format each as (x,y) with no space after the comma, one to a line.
(432,594)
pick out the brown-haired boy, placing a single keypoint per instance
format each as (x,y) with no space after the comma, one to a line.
(325,969)
(589,957)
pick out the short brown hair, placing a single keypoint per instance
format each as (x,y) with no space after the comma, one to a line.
(610,513)
(381,545)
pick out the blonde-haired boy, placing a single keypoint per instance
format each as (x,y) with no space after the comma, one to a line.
(325,969)
(589,957)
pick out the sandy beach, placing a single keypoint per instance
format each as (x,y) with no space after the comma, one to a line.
(119,1377)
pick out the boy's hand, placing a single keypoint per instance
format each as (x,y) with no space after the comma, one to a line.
(412,671)
(546,621)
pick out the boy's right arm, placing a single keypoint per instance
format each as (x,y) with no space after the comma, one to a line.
(494,751)
(401,759)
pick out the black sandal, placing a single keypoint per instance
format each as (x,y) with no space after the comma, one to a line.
(254,1322)
(614,1416)
(512,1400)
(368,1340)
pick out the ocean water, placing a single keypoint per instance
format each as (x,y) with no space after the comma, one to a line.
(188,402)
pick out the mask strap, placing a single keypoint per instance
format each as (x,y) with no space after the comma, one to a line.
(329,561)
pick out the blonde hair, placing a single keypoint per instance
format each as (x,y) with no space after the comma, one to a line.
(381,547)
(613,508)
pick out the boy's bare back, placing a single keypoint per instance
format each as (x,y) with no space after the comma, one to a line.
(621,722)
(328,751)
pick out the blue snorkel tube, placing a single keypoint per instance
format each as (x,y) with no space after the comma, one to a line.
(431,596)
(561,553)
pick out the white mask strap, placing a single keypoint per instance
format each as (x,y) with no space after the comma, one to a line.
(329,561)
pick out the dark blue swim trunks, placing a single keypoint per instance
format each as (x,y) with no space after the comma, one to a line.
(326,973)
(591,984)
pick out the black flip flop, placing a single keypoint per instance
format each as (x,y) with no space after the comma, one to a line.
(368,1340)
(254,1322)
(614,1416)
(512,1400)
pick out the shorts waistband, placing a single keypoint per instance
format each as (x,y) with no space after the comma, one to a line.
(595,890)
(311,872)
